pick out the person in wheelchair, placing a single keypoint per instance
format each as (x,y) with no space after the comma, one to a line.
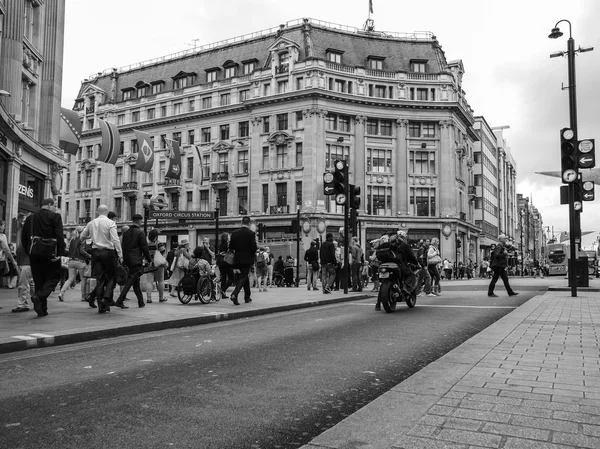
(201,268)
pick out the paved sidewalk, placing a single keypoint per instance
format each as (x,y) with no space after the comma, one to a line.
(530,380)
(74,321)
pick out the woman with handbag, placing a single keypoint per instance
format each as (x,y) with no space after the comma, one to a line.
(5,253)
(180,263)
(76,264)
(225,264)
(433,261)
(157,252)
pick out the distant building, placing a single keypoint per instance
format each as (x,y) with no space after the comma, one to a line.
(31,50)
(270,113)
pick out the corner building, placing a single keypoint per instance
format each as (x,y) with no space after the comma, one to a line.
(31,162)
(270,113)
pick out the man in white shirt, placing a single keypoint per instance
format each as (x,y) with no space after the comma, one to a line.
(106,248)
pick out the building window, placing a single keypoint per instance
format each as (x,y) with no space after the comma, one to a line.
(265,158)
(163,141)
(88,179)
(379,200)
(299,83)
(299,119)
(282,122)
(177,108)
(191,105)
(371,126)
(379,161)
(211,76)
(133,175)
(99,178)
(190,167)
(282,87)
(376,64)
(265,197)
(299,194)
(205,135)
(230,72)
(207,103)
(421,129)
(281,191)
(224,132)
(422,162)
(242,162)
(163,110)
(141,91)
(121,119)
(191,136)
(421,95)
(157,88)
(244,94)
(334,153)
(180,83)
(225,99)
(161,171)
(68,183)
(298,154)
(385,127)
(422,202)
(150,113)
(206,167)
(119,176)
(266,124)
(134,146)
(127,95)
(334,56)
(89,151)
(417,66)
(135,116)
(267,89)
(119,207)
(243,200)
(177,137)
(189,196)
(335,122)
(223,163)
(282,156)
(203,200)
(244,129)
(249,67)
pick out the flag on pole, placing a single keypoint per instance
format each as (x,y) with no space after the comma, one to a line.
(70,131)
(145,160)
(371,6)
(111,141)
(174,171)
(198,178)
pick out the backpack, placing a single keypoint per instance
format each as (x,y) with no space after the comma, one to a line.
(260,260)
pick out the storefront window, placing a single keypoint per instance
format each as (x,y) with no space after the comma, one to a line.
(31,191)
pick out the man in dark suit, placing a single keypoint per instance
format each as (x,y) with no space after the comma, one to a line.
(45,269)
(135,249)
(243,243)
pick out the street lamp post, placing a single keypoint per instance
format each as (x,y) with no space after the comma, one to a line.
(573,228)
(146,205)
(521,226)
(217,210)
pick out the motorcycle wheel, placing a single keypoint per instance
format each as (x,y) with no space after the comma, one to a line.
(386,297)
(411,300)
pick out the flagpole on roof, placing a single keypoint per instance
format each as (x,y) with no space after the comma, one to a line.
(369,24)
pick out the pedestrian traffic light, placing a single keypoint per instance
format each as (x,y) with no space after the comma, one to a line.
(588,191)
(354,192)
(340,177)
(569,155)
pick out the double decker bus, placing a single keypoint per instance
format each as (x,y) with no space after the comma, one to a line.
(592,256)
(558,259)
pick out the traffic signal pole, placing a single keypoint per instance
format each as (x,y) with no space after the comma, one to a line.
(573,231)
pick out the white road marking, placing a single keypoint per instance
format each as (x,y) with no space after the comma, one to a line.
(42,335)
(449,306)
(24,337)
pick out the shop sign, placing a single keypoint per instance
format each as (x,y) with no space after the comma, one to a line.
(27,191)
(181,215)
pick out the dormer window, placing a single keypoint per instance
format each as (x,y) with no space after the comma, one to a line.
(249,66)
(418,65)
(375,62)
(183,79)
(157,86)
(142,89)
(334,55)
(230,69)
(211,74)
(127,93)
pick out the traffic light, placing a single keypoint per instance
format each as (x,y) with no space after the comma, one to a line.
(458,242)
(569,155)
(586,157)
(587,193)
(262,231)
(354,193)
(578,195)
(354,221)
(340,181)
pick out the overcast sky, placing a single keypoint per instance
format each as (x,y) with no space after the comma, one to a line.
(509,77)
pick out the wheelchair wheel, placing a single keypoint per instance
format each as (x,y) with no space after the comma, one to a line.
(203,290)
(186,289)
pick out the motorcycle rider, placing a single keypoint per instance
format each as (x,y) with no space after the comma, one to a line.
(405,256)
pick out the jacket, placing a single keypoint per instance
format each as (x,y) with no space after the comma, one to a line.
(499,257)
(135,247)
(45,224)
(243,243)
(327,252)
(75,248)
(311,255)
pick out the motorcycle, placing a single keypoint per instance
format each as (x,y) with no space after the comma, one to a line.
(392,285)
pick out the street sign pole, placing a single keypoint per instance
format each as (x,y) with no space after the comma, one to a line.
(573,120)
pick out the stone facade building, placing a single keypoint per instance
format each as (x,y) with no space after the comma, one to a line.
(31,51)
(270,113)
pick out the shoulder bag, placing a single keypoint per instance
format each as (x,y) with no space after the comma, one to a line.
(182,261)
(159,260)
